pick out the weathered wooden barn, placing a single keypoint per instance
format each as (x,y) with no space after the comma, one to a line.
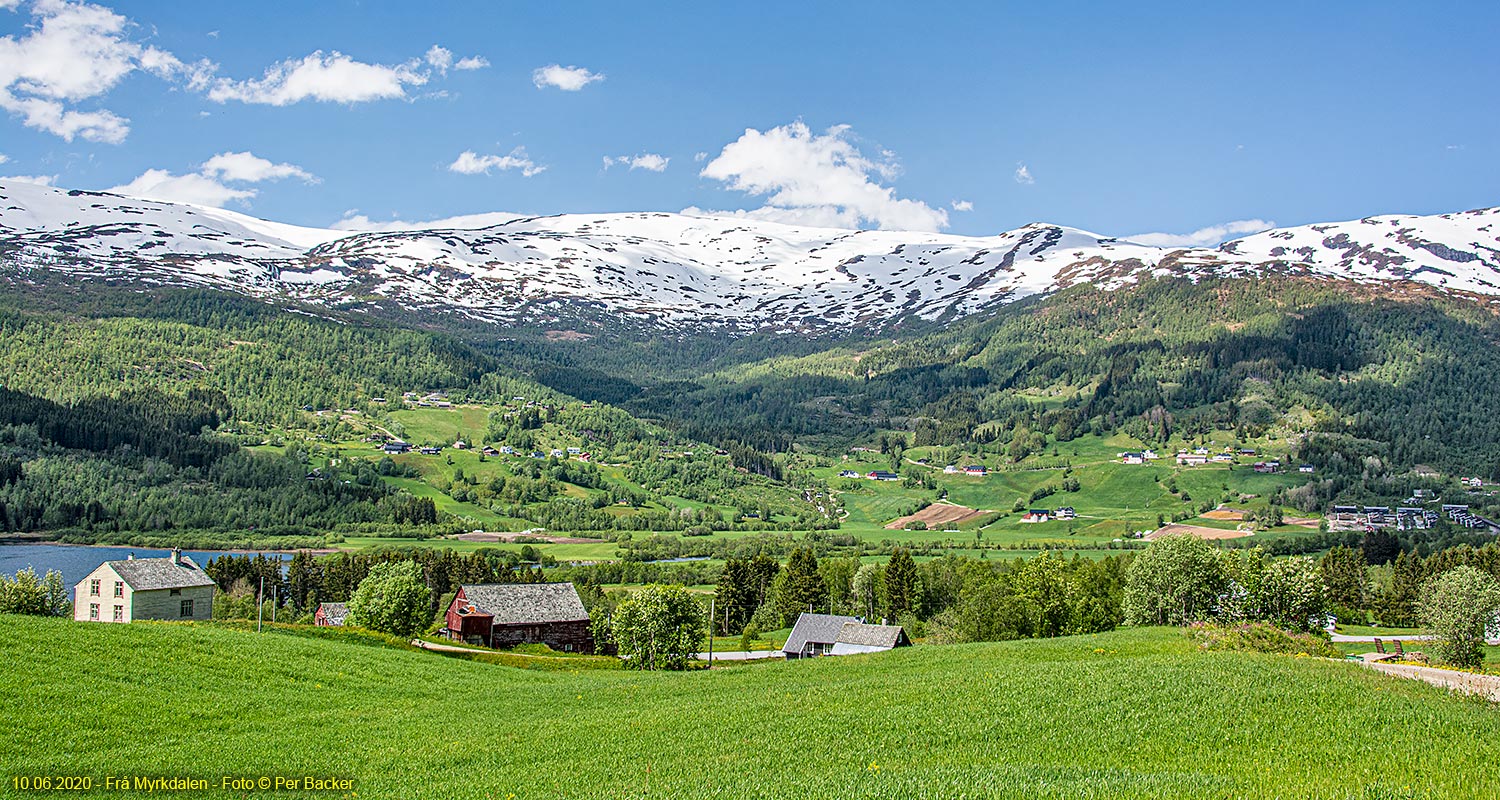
(508,614)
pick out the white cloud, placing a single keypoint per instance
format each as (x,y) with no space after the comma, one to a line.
(817,179)
(209,186)
(700,156)
(472,62)
(647,161)
(568,79)
(355,221)
(332,78)
(1023,175)
(4,158)
(962,205)
(471,163)
(440,58)
(159,184)
(251,168)
(74,52)
(40,180)
(1203,237)
(9,5)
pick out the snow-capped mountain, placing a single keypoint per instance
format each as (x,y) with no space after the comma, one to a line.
(687,271)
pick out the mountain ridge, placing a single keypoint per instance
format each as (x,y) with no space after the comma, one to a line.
(678,271)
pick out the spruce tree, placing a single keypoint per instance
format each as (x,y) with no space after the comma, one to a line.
(902,584)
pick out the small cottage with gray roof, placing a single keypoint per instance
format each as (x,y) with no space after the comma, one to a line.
(833,635)
(171,588)
(508,614)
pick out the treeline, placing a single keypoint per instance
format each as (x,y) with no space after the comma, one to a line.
(951,599)
(1357,593)
(300,584)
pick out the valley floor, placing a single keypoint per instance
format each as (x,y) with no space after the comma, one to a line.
(1134,713)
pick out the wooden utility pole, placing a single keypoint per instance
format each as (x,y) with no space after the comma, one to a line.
(260,603)
(711,632)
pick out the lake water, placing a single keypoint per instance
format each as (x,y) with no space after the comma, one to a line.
(75,562)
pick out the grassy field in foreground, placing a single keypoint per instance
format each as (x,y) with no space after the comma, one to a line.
(1140,713)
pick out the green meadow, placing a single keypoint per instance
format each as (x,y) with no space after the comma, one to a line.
(1131,714)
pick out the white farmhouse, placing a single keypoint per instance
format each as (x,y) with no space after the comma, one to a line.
(173,588)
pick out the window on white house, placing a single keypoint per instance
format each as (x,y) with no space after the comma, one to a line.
(94,609)
(94,588)
(119,588)
(119,613)
(187,608)
(174,592)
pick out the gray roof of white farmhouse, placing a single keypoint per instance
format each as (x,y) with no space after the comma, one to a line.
(870,635)
(822,628)
(147,574)
(524,603)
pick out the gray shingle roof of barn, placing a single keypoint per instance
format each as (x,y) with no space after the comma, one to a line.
(522,603)
(870,635)
(147,574)
(823,628)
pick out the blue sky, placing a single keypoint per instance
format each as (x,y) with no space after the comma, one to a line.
(967,117)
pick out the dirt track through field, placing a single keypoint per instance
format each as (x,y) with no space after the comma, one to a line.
(936,515)
(1196,530)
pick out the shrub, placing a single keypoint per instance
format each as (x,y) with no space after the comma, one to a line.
(1457,608)
(28,594)
(1260,637)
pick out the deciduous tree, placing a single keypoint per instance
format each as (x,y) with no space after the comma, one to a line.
(1458,607)
(658,628)
(392,599)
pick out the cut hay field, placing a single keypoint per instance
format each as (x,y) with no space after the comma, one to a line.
(1131,714)
(1199,531)
(937,515)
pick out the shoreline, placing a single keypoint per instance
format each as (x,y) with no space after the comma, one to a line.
(21,540)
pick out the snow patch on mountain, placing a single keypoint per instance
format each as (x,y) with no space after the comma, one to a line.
(681,270)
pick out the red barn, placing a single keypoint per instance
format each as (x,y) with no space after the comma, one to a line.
(331,614)
(508,614)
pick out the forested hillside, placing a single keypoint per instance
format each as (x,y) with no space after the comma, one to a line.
(1364,373)
(71,341)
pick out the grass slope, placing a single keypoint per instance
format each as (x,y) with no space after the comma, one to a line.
(1139,713)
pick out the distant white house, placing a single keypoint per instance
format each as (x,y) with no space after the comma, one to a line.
(171,588)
